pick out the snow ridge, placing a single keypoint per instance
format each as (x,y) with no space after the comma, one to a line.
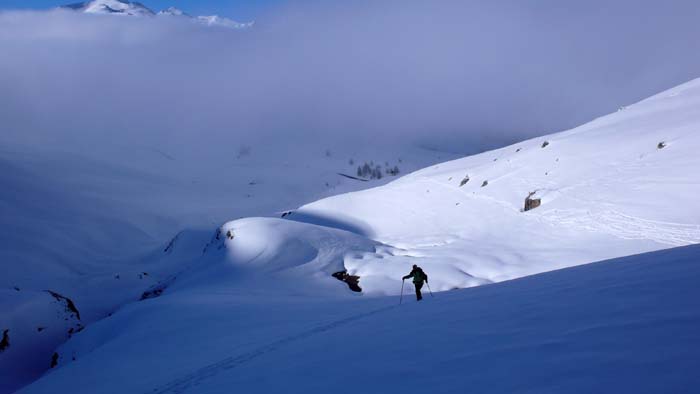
(132,8)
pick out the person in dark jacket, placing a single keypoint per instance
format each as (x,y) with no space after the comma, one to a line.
(418,277)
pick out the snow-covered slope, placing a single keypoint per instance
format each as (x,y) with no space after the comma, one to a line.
(625,183)
(112,7)
(626,325)
(132,8)
(103,226)
(260,295)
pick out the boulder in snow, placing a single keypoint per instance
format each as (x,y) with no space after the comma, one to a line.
(532,203)
(351,280)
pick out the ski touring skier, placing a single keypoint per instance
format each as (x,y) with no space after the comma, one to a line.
(418,278)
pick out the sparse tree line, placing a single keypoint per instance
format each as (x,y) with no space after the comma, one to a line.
(376,171)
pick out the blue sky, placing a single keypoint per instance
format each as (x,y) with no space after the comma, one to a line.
(237,9)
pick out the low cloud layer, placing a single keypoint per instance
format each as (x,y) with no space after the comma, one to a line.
(450,75)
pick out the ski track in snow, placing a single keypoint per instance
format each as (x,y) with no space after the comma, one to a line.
(181,385)
(608,221)
(625,226)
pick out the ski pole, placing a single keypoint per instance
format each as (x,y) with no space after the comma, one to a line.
(401,299)
(431,292)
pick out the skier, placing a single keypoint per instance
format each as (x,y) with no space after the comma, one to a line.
(418,277)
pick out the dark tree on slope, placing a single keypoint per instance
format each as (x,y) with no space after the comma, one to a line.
(372,171)
(377,172)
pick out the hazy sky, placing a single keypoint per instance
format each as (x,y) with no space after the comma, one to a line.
(461,75)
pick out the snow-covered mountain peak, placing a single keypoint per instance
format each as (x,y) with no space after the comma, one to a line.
(215,20)
(112,7)
(132,8)
(173,11)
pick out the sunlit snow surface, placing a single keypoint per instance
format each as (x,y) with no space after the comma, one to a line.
(607,189)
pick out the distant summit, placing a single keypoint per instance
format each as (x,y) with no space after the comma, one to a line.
(118,7)
(133,8)
(173,11)
(215,20)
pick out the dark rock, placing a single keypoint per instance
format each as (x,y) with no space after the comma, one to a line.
(5,342)
(214,242)
(464,181)
(70,306)
(171,244)
(40,329)
(54,360)
(544,144)
(351,280)
(158,288)
(518,150)
(16,288)
(661,145)
(532,203)
(485,183)
(229,234)
(153,293)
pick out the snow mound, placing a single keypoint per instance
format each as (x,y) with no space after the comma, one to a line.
(252,253)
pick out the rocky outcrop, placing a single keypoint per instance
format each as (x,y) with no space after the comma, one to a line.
(69,305)
(155,291)
(351,280)
(532,203)
(5,342)
(485,183)
(544,144)
(171,244)
(464,181)
(661,145)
